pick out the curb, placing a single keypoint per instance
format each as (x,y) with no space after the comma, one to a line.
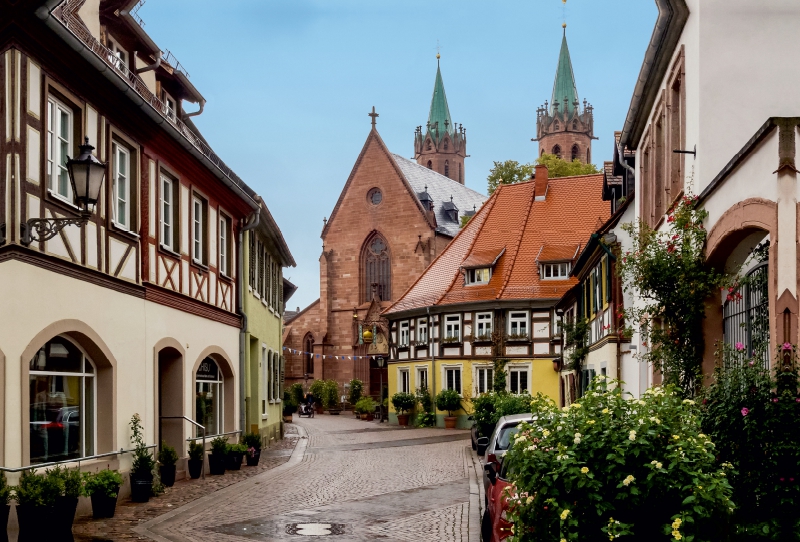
(475,492)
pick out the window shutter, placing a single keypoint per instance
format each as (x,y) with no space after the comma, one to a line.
(608,279)
(283,376)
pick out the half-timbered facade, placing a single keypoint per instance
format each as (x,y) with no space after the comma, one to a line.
(137,311)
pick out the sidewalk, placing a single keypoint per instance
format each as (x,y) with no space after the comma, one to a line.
(129,515)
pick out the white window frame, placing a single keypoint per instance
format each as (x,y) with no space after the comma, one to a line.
(446,384)
(223,245)
(422,331)
(420,380)
(514,317)
(124,195)
(452,327)
(404,334)
(168,213)
(170,105)
(479,275)
(220,412)
(483,324)
(118,56)
(198,248)
(513,375)
(555,271)
(404,380)
(56,163)
(488,378)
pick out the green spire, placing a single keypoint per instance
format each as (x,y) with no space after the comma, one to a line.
(439,111)
(564,84)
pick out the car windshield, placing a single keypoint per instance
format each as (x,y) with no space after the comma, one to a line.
(505,436)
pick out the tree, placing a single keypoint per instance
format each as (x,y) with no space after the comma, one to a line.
(512,172)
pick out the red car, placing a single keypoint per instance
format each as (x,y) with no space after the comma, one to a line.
(495,525)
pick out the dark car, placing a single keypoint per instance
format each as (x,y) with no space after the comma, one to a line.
(501,440)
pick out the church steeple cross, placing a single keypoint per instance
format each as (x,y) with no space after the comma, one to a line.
(374,116)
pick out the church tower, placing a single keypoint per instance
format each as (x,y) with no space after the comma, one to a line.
(563,128)
(442,147)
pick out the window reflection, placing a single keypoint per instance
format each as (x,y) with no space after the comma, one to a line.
(208,397)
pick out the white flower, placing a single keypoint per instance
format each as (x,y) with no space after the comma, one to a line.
(627,481)
(577,440)
(632,435)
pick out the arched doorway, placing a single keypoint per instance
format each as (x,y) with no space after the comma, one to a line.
(170,397)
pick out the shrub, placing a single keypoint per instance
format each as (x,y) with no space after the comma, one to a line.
(424,399)
(219,446)
(6,492)
(484,412)
(448,400)
(252,440)
(356,390)
(38,489)
(196,450)
(289,407)
(71,479)
(403,402)
(235,448)
(296,392)
(365,405)
(318,389)
(143,462)
(167,456)
(105,482)
(608,466)
(752,413)
(330,394)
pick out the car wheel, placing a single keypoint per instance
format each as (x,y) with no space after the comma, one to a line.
(486,527)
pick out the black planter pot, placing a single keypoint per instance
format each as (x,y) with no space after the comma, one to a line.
(216,464)
(233,460)
(141,488)
(65,509)
(4,511)
(103,506)
(253,461)
(167,473)
(36,522)
(195,468)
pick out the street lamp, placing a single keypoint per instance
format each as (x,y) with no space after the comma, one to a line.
(380,361)
(86,175)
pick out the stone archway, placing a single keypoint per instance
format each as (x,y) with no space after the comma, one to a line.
(168,356)
(230,384)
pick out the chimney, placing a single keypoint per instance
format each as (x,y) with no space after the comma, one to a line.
(540,180)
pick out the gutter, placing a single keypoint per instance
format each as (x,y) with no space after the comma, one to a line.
(251,223)
(150,67)
(45,14)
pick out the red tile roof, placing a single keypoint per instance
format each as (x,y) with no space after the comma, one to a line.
(525,227)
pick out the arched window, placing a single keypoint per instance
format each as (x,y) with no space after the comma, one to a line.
(430,164)
(308,346)
(63,411)
(575,152)
(460,178)
(208,396)
(446,168)
(557,151)
(376,270)
(575,125)
(555,125)
(588,156)
(746,315)
(429,144)
(542,153)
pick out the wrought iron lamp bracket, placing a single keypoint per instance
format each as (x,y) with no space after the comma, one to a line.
(43,229)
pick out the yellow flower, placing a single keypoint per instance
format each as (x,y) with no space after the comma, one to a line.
(627,481)
(564,515)
(563,540)
(699,487)
(676,524)
(584,470)
(604,411)
(676,437)
(590,422)
(676,535)
(529,500)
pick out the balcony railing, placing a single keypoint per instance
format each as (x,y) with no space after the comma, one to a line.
(76,27)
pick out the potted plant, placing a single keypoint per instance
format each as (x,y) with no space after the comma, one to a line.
(143,464)
(330,397)
(196,455)
(318,389)
(449,401)
(72,482)
(167,457)
(365,407)
(289,407)
(6,493)
(216,459)
(36,499)
(297,393)
(103,489)
(234,455)
(253,443)
(356,390)
(403,403)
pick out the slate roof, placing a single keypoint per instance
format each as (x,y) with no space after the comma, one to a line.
(440,189)
(514,220)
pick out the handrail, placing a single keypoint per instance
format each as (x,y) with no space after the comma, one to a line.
(203,472)
(65,461)
(217,435)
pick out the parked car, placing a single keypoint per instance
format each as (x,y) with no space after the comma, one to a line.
(495,525)
(501,440)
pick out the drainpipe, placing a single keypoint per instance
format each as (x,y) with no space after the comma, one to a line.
(202,105)
(433,362)
(251,222)
(151,67)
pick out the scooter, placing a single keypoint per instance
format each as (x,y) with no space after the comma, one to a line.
(306,410)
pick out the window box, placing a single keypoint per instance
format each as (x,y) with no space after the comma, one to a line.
(483,338)
(518,338)
(451,341)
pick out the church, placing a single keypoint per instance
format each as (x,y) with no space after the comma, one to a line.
(392,218)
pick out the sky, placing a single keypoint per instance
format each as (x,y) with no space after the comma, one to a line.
(289,83)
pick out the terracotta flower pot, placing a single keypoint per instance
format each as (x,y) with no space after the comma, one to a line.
(402,419)
(370,417)
(363,416)
(287,419)
(450,422)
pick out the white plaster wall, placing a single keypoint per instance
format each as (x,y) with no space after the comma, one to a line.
(34,298)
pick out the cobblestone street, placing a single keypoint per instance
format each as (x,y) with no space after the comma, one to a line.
(346,478)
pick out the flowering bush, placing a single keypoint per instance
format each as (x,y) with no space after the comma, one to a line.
(752,415)
(489,407)
(607,466)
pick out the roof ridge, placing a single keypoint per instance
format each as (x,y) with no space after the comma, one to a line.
(519,242)
(302,311)
(443,177)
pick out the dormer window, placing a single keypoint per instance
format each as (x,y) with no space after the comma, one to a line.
(169,104)
(118,56)
(555,271)
(480,275)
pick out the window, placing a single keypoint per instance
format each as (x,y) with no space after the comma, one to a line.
(403,382)
(309,361)
(422,331)
(460,178)
(404,334)
(587,377)
(557,148)
(224,245)
(555,271)
(376,270)
(445,148)
(575,129)
(276,377)
(169,213)
(169,104)
(59,146)
(518,380)
(575,152)
(430,164)
(265,380)
(518,324)
(121,188)
(452,378)
(483,326)
(446,164)
(483,379)
(428,146)
(746,315)
(62,403)
(422,378)
(118,56)
(478,276)
(208,397)
(253,262)
(375,196)
(199,214)
(452,328)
